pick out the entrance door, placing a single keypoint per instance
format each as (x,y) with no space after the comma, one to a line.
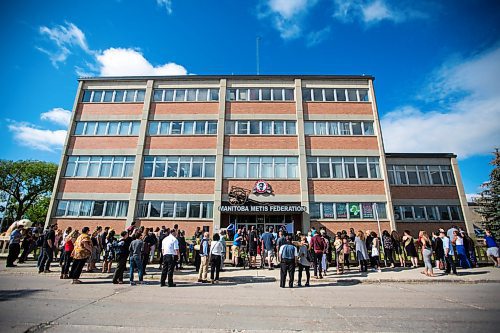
(261,222)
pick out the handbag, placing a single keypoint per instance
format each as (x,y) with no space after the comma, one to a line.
(441,265)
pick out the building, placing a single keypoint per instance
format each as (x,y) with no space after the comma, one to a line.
(261,150)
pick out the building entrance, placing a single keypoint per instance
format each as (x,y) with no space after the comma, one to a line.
(262,221)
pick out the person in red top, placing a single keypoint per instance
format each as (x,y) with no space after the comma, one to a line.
(68,248)
(319,247)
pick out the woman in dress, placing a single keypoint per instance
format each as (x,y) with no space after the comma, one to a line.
(361,251)
(410,249)
(396,243)
(437,247)
(426,244)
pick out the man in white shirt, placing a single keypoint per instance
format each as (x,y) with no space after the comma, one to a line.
(170,249)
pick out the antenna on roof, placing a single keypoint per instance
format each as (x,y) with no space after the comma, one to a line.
(257,54)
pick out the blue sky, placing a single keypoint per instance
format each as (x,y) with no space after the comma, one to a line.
(436,63)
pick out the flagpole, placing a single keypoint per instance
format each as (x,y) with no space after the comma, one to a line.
(379,231)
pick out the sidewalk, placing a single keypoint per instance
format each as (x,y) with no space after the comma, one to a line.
(488,274)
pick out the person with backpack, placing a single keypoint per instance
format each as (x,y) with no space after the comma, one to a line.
(121,252)
(318,246)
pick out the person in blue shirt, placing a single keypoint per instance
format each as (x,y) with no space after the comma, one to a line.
(14,246)
(236,247)
(492,250)
(448,253)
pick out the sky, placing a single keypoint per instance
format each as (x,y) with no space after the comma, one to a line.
(436,63)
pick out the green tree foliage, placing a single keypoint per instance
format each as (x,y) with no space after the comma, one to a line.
(489,201)
(30,184)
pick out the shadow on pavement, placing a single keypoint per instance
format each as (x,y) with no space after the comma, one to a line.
(6,295)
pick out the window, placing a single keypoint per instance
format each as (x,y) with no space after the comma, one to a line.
(427,213)
(444,214)
(198,127)
(179,166)
(259,94)
(338,128)
(100,166)
(86,208)
(107,128)
(343,167)
(260,127)
(347,210)
(337,94)
(113,96)
(251,167)
(188,95)
(175,209)
(420,175)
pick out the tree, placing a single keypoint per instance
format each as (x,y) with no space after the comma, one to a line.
(28,183)
(489,200)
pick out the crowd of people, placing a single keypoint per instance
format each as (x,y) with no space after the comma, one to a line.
(75,249)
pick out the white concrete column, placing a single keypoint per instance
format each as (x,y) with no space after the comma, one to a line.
(382,160)
(219,158)
(304,187)
(141,140)
(462,197)
(62,163)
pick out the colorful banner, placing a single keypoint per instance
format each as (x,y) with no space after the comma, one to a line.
(367,209)
(327,210)
(341,210)
(354,211)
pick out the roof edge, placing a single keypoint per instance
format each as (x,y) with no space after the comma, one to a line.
(225,76)
(428,155)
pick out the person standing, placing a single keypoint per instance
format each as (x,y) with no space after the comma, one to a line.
(268,246)
(339,253)
(411,251)
(236,247)
(216,250)
(281,240)
(448,253)
(375,254)
(48,249)
(287,256)
(346,249)
(81,253)
(136,250)
(69,246)
(204,254)
(437,248)
(121,255)
(396,241)
(223,234)
(426,253)
(319,247)
(361,251)
(388,247)
(305,261)
(170,248)
(458,240)
(182,249)
(14,246)
(492,248)
(252,247)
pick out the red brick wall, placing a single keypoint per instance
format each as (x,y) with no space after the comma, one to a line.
(346,187)
(177,186)
(184,108)
(260,108)
(337,108)
(63,223)
(102,142)
(279,186)
(334,227)
(341,142)
(89,109)
(260,142)
(415,227)
(181,142)
(95,185)
(424,192)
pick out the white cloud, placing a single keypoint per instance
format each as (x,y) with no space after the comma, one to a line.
(58,116)
(65,37)
(167,4)
(28,135)
(468,122)
(118,62)
(315,37)
(287,15)
(374,11)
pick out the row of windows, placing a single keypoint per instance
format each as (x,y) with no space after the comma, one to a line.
(253,167)
(334,95)
(338,127)
(95,208)
(100,166)
(107,127)
(260,94)
(347,210)
(179,166)
(176,209)
(343,167)
(263,127)
(420,175)
(427,213)
(113,96)
(186,95)
(198,127)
